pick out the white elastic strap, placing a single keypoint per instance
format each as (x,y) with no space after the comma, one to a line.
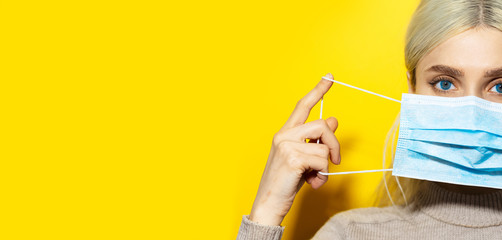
(320,117)
(360,89)
(363,171)
(401,188)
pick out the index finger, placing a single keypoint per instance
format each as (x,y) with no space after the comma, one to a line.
(303,107)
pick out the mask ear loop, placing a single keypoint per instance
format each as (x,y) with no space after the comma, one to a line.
(386,140)
(392,131)
(320,117)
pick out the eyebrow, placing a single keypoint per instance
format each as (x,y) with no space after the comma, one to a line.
(446,70)
(496,72)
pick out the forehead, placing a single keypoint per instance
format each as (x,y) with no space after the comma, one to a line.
(473,49)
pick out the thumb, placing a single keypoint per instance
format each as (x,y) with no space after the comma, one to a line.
(332,123)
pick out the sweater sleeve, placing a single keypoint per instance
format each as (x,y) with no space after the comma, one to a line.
(250,230)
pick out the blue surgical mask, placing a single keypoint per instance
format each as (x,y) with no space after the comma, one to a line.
(452,140)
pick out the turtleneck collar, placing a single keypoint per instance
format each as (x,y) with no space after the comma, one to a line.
(469,210)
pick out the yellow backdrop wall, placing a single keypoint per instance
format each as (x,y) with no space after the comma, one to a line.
(153,119)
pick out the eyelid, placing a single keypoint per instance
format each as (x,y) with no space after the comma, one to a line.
(442,78)
(436,80)
(494,83)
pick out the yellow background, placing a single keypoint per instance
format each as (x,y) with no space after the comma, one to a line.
(154,119)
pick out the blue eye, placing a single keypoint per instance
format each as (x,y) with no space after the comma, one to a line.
(497,88)
(445,85)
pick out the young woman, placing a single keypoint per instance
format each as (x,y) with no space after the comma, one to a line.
(453,49)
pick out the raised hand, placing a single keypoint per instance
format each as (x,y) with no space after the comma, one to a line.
(292,160)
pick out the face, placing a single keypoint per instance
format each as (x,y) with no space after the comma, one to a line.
(468,64)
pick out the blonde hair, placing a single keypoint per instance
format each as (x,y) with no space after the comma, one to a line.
(433,22)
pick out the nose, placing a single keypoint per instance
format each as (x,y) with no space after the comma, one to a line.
(472,88)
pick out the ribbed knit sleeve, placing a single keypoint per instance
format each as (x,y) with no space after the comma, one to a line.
(250,230)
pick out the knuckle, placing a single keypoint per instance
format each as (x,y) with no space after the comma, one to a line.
(324,149)
(323,123)
(295,161)
(320,124)
(301,104)
(276,140)
(291,156)
(284,147)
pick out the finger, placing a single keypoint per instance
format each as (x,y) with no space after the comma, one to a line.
(312,162)
(309,176)
(303,107)
(319,129)
(318,150)
(315,179)
(316,164)
(333,125)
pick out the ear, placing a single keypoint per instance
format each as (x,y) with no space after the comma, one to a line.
(410,88)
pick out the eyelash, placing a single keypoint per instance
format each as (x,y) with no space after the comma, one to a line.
(434,82)
(437,80)
(495,83)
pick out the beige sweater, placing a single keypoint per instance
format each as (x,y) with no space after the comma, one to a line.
(436,214)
